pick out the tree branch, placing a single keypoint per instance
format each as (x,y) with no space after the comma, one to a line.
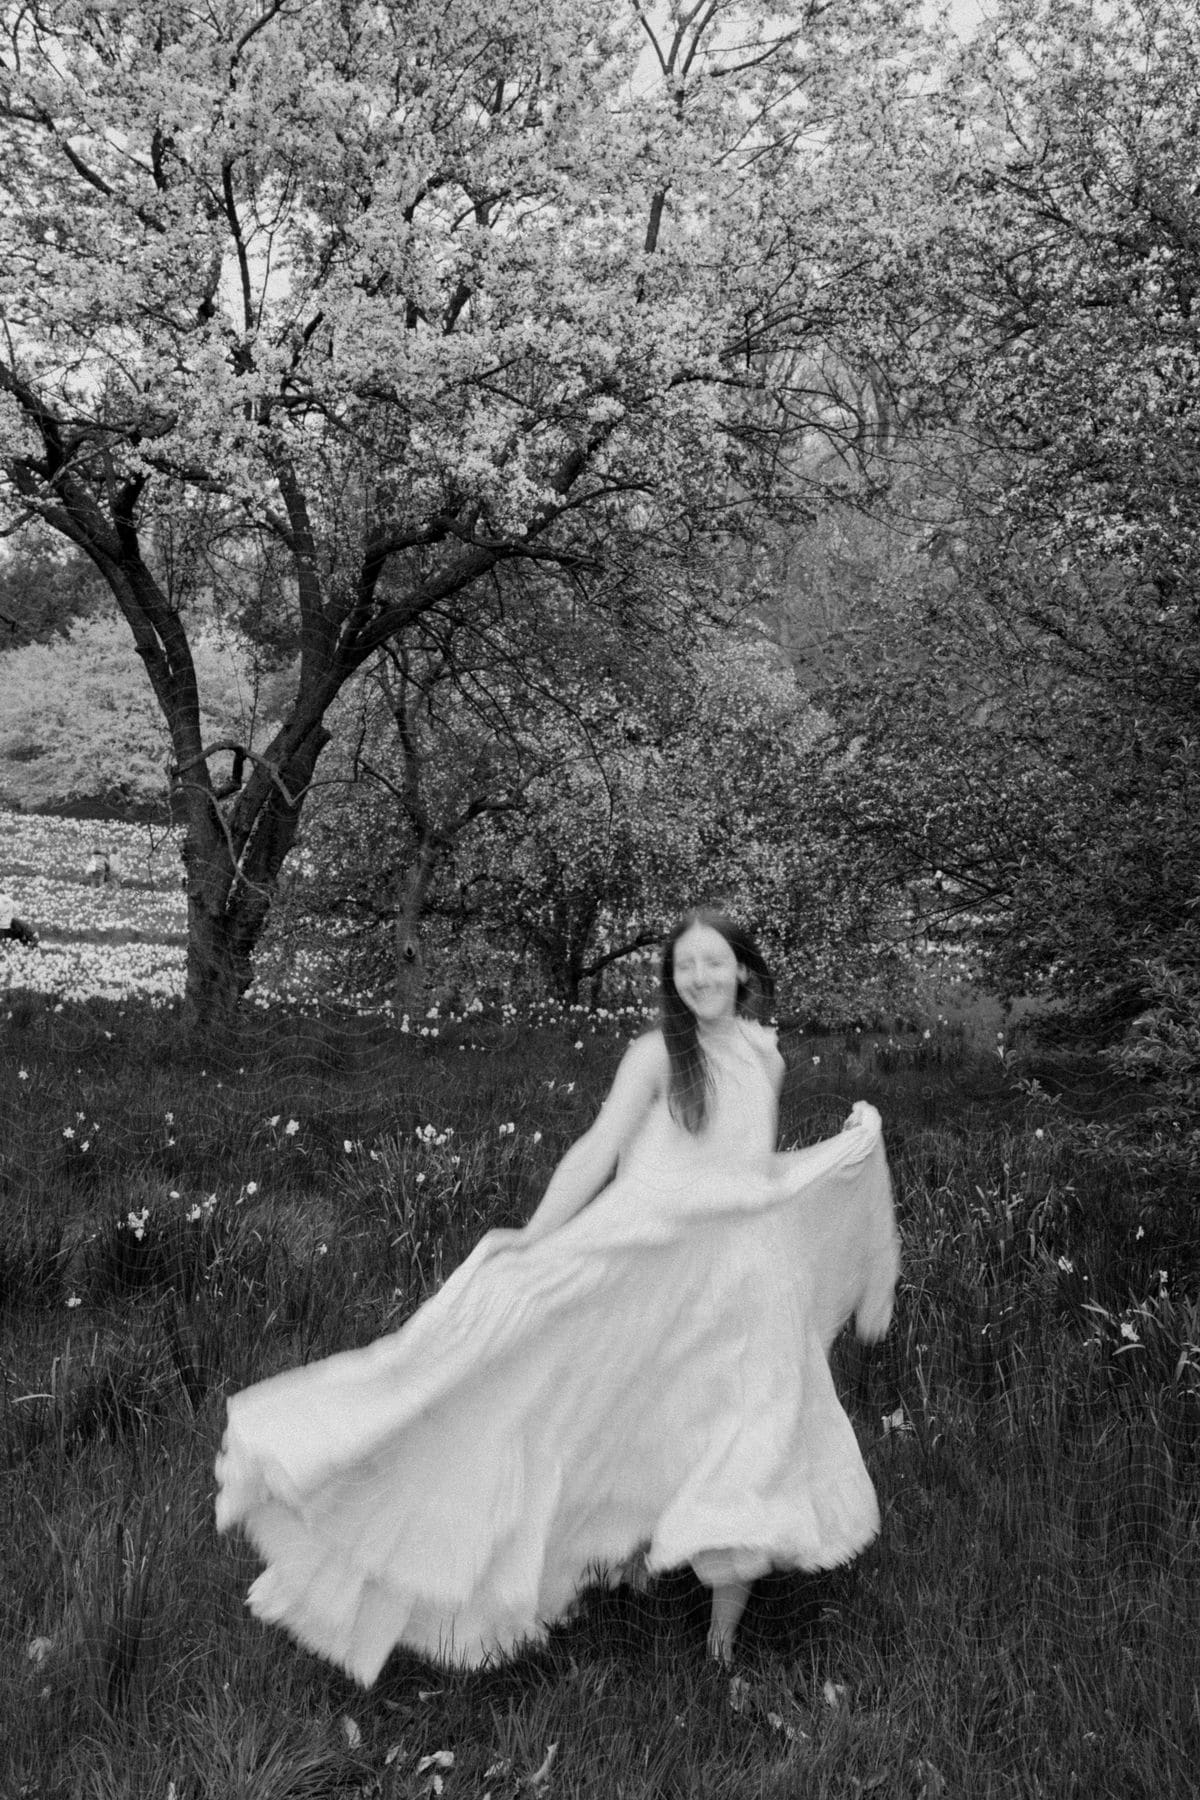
(240,753)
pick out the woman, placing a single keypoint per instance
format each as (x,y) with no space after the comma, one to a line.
(644,1366)
(12,927)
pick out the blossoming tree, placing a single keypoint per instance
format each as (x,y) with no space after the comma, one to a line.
(1024,721)
(440,290)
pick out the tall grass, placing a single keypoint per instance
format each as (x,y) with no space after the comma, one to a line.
(1025,1625)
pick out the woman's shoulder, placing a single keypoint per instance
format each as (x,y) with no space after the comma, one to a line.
(764,1040)
(642,1074)
(763,1037)
(649,1051)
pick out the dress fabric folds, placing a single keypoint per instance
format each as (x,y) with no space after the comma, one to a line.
(654,1374)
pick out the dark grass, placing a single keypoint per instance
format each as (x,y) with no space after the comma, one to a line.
(1025,1625)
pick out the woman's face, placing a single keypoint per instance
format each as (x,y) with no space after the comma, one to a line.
(707,974)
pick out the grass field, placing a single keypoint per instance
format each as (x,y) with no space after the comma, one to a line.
(176,1225)
(1026,1624)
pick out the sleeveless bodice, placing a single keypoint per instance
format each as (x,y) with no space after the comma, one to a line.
(741,1122)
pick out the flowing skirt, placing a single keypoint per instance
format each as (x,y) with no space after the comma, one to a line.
(654,1373)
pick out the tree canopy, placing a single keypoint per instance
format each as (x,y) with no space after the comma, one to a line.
(1024,717)
(365,329)
(442,290)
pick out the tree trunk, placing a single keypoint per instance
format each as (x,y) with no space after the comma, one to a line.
(232,862)
(412,890)
(562,952)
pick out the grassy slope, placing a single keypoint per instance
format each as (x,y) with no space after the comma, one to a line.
(1025,1625)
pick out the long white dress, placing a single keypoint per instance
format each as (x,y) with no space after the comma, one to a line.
(653,1373)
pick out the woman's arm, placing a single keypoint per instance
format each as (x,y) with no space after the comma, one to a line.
(587,1165)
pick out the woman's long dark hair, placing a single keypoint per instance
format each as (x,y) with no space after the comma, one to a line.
(691,1078)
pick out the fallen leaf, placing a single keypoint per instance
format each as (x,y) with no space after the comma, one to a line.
(352,1733)
(437,1759)
(739,1694)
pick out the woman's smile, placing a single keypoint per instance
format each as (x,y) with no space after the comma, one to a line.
(707,973)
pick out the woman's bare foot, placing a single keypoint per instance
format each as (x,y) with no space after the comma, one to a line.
(728,1605)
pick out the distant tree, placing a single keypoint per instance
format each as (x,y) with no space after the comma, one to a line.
(421,752)
(559,829)
(44,586)
(450,728)
(1024,722)
(78,721)
(705,794)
